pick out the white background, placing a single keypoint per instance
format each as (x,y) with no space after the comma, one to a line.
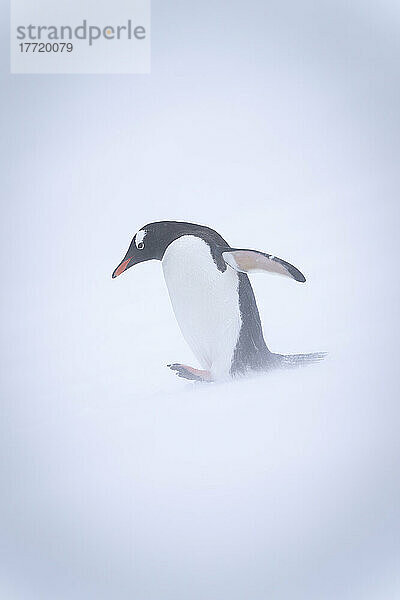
(278,125)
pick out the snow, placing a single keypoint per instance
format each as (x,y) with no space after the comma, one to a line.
(120,480)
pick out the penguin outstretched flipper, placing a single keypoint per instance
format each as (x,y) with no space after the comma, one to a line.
(253,261)
(190,373)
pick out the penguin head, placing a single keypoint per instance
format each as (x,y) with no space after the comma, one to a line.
(147,244)
(152,240)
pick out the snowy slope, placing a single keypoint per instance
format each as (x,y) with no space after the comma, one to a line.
(118,479)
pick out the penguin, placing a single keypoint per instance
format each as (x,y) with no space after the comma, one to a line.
(212,298)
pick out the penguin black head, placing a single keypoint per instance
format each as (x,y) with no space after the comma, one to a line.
(152,240)
(144,246)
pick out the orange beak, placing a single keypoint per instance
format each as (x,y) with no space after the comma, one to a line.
(121,268)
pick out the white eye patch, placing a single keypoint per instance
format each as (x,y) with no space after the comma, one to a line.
(139,237)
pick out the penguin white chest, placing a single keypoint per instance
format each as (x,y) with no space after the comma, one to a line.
(205,302)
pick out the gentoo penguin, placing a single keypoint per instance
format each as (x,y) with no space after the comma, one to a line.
(212,297)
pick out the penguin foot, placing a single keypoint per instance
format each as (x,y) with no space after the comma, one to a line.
(190,373)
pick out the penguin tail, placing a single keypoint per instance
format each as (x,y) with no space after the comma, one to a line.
(292,361)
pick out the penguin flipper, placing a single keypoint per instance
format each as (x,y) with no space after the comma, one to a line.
(190,373)
(253,261)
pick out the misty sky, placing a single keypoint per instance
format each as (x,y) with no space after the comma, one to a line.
(277,124)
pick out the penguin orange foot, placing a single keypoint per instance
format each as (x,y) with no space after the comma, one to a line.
(190,372)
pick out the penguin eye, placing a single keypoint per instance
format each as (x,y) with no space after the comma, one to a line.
(139,239)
